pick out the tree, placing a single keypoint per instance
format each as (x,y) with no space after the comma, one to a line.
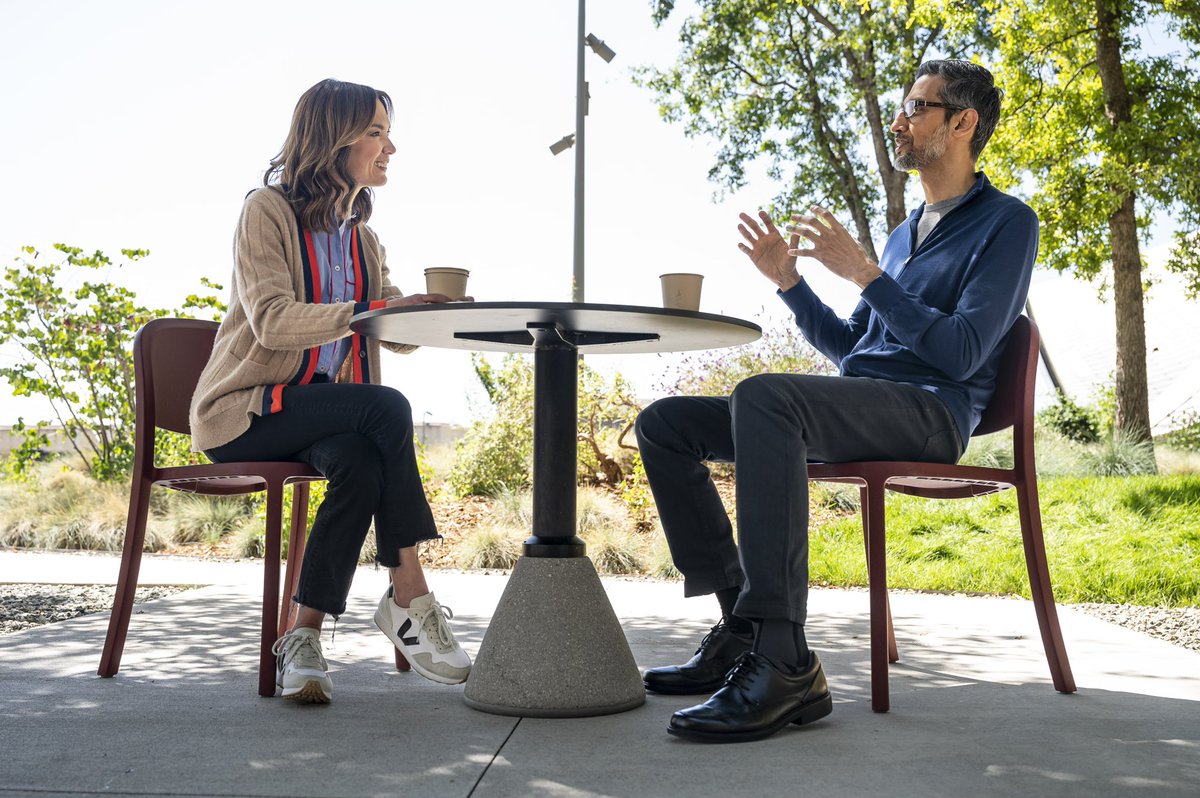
(1106,134)
(801,83)
(76,352)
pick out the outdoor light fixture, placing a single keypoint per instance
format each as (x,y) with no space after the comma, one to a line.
(599,47)
(576,140)
(563,144)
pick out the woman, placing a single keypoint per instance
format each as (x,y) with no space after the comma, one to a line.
(288,380)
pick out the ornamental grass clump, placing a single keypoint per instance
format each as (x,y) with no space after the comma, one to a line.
(490,546)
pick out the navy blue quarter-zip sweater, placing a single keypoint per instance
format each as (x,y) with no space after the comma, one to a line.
(937,316)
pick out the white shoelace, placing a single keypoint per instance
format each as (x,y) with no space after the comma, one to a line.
(302,651)
(434,622)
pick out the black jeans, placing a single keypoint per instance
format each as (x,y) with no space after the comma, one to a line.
(770,428)
(361,438)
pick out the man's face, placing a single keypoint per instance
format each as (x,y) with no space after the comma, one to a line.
(921,139)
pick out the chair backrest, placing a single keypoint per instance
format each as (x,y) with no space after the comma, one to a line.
(168,356)
(1012,403)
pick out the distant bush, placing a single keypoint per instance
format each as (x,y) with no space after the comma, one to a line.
(1185,432)
(496,455)
(1070,420)
(716,372)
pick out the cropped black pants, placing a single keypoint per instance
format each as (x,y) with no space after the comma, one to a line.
(770,428)
(361,438)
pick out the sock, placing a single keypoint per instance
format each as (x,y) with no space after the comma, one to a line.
(782,641)
(727,598)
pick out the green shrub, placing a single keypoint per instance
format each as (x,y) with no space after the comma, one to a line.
(497,454)
(1119,456)
(490,546)
(659,562)
(990,451)
(614,550)
(1068,419)
(208,519)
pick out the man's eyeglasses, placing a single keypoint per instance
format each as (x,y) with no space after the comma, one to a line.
(910,107)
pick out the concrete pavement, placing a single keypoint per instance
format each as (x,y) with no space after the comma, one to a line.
(973,711)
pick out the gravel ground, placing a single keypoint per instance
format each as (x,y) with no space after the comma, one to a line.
(1180,625)
(25,606)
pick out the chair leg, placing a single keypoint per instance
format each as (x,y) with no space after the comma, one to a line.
(131,561)
(401,663)
(270,603)
(873,521)
(1041,590)
(893,652)
(296,540)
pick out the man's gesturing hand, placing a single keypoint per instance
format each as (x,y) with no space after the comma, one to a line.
(832,245)
(768,250)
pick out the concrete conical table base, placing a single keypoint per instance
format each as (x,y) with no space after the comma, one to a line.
(554,647)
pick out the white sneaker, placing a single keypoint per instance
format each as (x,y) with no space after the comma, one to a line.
(300,668)
(423,636)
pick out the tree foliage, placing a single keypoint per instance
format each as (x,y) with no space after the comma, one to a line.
(1104,134)
(74,345)
(809,86)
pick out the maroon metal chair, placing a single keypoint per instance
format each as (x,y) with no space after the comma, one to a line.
(1011,406)
(168,356)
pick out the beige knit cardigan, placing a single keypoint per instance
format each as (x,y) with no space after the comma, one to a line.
(269,325)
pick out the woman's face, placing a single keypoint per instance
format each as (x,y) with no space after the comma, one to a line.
(368,160)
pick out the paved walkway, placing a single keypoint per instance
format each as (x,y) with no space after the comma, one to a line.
(973,711)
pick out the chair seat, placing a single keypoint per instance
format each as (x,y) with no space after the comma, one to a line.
(229,479)
(930,480)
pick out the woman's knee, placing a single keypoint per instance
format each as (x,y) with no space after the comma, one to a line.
(392,409)
(348,459)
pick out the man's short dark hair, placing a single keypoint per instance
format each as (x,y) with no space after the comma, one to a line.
(968,85)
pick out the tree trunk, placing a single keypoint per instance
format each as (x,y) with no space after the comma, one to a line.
(1133,402)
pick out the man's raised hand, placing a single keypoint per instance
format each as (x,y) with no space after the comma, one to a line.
(767,249)
(832,245)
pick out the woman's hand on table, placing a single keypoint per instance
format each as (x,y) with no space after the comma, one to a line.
(424,299)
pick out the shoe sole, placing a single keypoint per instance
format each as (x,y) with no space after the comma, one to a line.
(412,662)
(310,693)
(801,715)
(697,689)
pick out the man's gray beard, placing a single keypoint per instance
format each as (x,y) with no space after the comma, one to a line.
(931,152)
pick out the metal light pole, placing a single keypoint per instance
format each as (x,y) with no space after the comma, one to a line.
(576,140)
(581,98)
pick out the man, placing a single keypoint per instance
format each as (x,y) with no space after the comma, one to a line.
(918,360)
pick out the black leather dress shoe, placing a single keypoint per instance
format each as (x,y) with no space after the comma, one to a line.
(758,699)
(706,670)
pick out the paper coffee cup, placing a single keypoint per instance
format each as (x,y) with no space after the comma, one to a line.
(451,282)
(681,291)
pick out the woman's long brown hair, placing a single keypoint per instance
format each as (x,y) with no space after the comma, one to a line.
(310,170)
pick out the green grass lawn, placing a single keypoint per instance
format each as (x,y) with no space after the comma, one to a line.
(1115,540)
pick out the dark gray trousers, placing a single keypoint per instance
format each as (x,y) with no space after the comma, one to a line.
(770,428)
